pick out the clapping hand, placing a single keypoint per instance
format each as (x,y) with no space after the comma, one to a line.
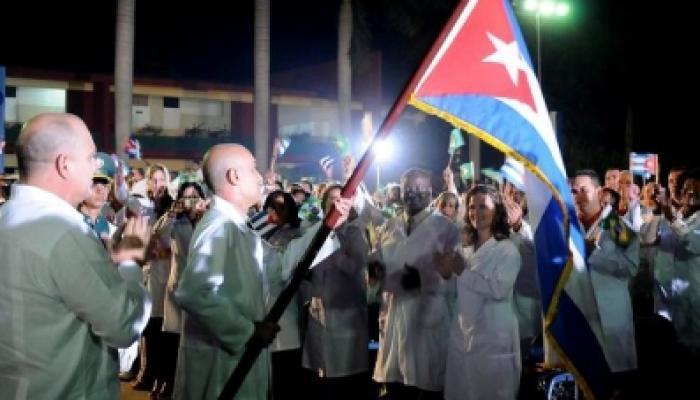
(132,244)
(410,279)
(448,263)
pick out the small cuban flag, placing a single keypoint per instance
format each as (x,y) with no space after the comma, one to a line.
(132,148)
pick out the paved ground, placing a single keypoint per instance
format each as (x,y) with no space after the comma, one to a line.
(130,394)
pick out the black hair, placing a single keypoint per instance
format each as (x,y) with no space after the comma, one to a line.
(185,185)
(693,173)
(589,173)
(327,193)
(288,211)
(615,197)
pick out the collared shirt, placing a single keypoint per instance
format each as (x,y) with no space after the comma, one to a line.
(100,226)
(63,304)
(240,220)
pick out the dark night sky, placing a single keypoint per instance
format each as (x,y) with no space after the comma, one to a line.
(610,56)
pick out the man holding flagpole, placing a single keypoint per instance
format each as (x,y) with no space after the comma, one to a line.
(225,286)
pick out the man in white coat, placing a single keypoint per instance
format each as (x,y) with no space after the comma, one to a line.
(612,263)
(64,307)
(226,284)
(414,319)
(679,253)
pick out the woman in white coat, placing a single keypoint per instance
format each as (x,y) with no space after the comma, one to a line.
(679,253)
(483,358)
(335,343)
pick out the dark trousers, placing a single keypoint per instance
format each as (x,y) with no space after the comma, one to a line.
(158,357)
(399,391)
(350,387)
(165,375)
(150,352)
(286,375)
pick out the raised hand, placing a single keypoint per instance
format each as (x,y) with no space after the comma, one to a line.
(348,166)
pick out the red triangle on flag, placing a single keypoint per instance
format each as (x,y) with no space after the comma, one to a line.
(462,69)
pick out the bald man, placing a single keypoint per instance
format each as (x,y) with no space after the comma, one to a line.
(64,306)
(226,284)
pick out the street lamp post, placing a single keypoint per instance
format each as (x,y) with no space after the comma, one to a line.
(546,9)
(382,150)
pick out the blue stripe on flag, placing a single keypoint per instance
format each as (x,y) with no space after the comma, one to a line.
(576,339)
(570,328)
(492,115)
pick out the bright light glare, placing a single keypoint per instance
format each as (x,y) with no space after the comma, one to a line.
(530,5)
(547,8)
(383,150)
(562,10)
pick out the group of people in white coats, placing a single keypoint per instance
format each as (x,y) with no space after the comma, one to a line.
(449,324)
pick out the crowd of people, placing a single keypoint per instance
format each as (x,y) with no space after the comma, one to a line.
(107,274)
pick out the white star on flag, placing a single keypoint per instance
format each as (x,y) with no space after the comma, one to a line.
(507,54)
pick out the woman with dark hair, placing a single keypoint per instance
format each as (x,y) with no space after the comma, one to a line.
(282,214)
(177,225)
(283,211)
(483,359)
(335,352)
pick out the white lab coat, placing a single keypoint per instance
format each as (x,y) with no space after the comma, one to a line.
(288,338)
(483,359)
(679,254)
(527,301)
(414,324)
(633,216)
(64,307)
(223,289)
(611,268)
(335,344)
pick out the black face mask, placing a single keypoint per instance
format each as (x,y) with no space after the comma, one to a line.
(415,201)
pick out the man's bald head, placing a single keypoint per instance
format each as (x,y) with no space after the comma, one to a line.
(45,136)
(229,169)
(55,152)
(218,160)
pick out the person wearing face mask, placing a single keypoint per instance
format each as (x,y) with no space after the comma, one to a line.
(414,318)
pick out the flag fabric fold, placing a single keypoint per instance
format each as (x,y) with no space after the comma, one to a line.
(481,80)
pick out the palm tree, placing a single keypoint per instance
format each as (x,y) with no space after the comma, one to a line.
(261,106)
(123,72)
(344,68)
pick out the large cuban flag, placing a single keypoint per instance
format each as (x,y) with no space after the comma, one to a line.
(481,80)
